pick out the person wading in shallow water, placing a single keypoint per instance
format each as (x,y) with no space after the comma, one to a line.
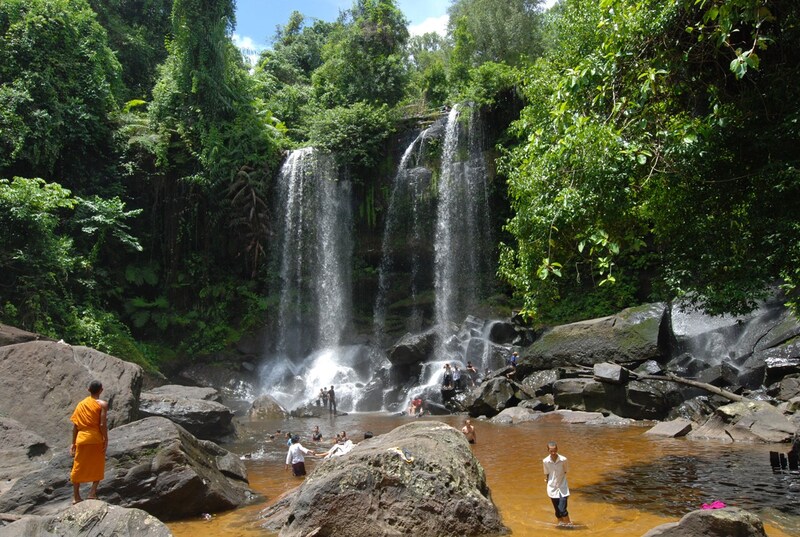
(89,442)
(555,471)
(469,432)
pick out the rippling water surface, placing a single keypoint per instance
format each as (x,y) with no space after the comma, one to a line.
(622,482)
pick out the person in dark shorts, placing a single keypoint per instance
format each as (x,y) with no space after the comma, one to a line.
(296,457)
(555,471)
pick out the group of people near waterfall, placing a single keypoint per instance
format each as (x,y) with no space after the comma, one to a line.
(454,378)
(327,398)
(90,443)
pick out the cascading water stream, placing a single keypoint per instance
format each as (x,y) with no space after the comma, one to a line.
(406,195)
(315,309)
(463,237)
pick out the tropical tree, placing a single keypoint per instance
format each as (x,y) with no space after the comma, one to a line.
(507,31)
(58,86)
(136,33)
(364,60)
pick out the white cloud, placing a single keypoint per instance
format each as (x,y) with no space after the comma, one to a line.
(431,24)
(249,48)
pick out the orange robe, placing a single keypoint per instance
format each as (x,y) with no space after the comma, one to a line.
(90,457)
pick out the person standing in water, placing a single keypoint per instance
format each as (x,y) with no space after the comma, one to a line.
(555,471)
(469,431)
(89,442)
(296,456)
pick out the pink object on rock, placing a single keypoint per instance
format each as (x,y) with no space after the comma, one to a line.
(716,504)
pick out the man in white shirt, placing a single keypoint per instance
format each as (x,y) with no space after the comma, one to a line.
(555,471)
(296,457)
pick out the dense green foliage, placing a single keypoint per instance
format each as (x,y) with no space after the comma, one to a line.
(58,86)
(655,154)
(658,143)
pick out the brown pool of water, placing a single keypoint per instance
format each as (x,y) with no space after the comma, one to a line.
(622,482)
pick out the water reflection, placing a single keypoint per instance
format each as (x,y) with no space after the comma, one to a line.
(622,482)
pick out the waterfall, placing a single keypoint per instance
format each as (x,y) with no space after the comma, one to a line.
(316,246)
(404,226)
(463,248)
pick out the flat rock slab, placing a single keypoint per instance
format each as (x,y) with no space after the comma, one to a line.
(671,429)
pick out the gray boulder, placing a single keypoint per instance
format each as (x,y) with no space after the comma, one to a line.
(502,332)
(21,452)
(419,479)
(414,348)
(233,383)
(266,407)
(727,522)
(629,336)
(494,395)
(151,464)
(789,388)
(613,373)
(90,518)
(541,382)
(42,381)
(516,414)
(203,418)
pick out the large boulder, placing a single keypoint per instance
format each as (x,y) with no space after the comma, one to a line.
(419,479)
(233,383)
(266,407)
(494,395)
(631,335)
(727,522)
(741,343)
(203,418)
(42,381)
(414,348)
(90,518)
(21,452)
(152,464)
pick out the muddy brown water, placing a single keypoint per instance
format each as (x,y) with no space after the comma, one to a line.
(622,482)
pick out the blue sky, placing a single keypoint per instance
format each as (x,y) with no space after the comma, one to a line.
(256,19)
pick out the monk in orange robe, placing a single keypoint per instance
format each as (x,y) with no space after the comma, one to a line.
(89,442)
